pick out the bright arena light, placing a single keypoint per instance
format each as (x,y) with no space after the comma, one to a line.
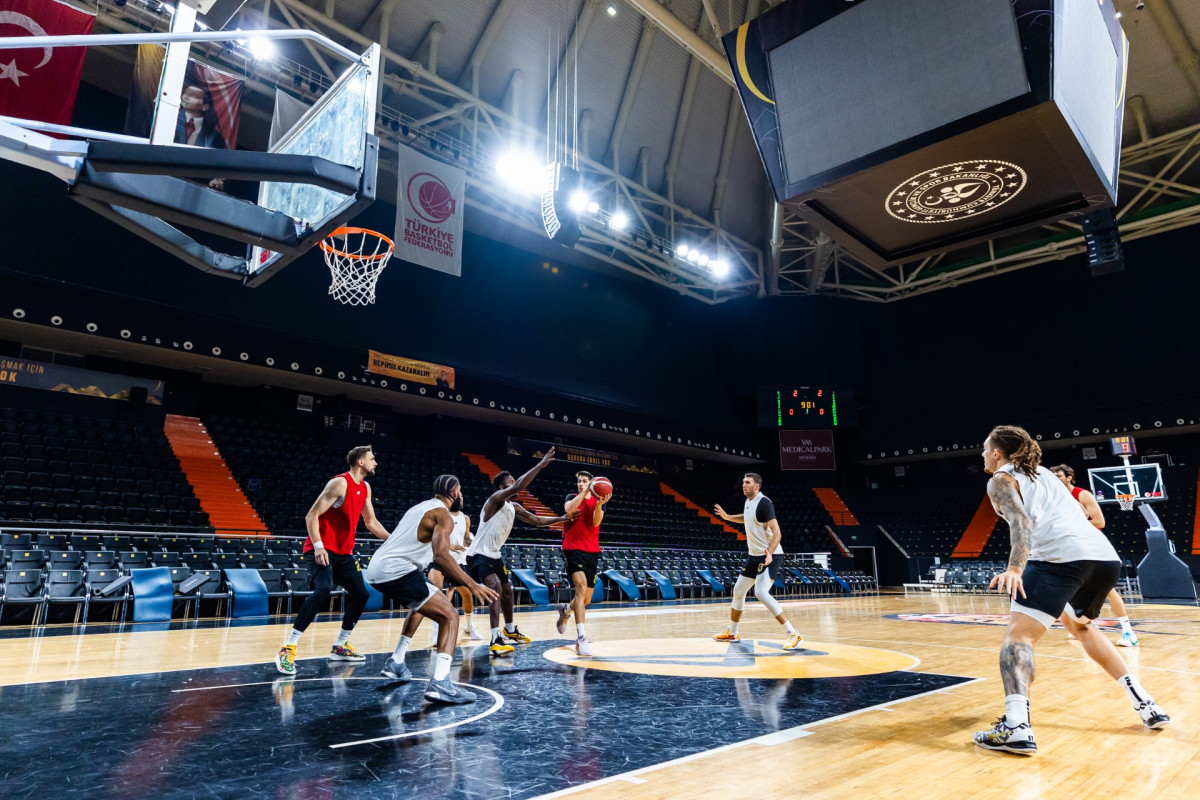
(719,268)
(682,250)
(261,48)
(703,260)
(579,201)
(593,207)
(693,256)
(619,220)
(521,172)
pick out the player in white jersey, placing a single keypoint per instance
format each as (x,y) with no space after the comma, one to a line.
(460,538)
(1059,567)
(763,538)
(484,561)
(396,569)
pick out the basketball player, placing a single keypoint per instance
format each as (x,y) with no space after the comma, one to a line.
(763,539)
(329,555)
(1095,516)
(484,562)
(421,538)
(1059,566)
(581,551)
(459,539)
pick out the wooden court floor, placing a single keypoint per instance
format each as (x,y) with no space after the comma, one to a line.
(829,722)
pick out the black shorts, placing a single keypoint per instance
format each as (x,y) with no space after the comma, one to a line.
(480,566)
(344,570)
(755,565)
(582,561)
(410,590)
(1076,586)
(448,582)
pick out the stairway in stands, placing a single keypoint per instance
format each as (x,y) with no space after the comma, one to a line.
(715,520)
(524,497)
(229,512)
(836,506)
(976,536)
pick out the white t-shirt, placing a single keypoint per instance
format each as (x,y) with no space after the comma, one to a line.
(458,535)
(403,553)
(493,532)
(758,535)
(1060,532)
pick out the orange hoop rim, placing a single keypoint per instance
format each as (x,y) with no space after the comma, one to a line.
(328,248)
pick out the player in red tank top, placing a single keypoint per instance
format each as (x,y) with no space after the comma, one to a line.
(581,551)
(1095,516)
(329,554)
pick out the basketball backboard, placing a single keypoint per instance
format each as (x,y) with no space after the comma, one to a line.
(1143,481)
(334,128)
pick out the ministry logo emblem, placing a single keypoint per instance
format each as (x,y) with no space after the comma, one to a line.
(956,191)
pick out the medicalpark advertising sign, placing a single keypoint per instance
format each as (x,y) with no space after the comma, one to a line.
(429,212)
(806,450)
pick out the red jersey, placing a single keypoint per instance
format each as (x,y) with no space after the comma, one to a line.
(337,525)
(1075,492)
(580,533)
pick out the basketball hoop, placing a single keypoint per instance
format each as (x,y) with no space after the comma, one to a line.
(355,257)
(1126,501)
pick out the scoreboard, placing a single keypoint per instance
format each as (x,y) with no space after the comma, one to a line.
(805,407)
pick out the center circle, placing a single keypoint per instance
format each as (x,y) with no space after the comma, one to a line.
(748,658)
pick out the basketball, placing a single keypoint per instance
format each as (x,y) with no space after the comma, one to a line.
(602,487)
(436,200)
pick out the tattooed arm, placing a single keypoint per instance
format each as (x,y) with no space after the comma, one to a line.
(1006,499)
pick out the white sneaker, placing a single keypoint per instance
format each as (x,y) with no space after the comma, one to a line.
(473,635)
(1152,716)
(1018,740)
(583,647)
(1128,639)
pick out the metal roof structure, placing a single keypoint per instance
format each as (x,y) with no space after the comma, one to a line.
(644,87)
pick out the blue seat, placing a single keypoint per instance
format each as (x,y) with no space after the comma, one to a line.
(153,594)
(717,586)
(598,591)
(375,600)
(665,590)
(249,593)
(625,583)
(539,593)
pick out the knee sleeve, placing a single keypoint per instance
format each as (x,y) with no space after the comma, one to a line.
(739,592)
(762,590)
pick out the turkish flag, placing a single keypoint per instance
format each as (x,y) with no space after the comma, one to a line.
(41,82)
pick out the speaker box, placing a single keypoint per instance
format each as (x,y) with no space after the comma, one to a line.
(904,128)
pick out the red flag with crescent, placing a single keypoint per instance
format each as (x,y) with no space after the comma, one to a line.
(41,82)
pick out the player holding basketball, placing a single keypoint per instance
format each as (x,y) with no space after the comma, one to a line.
(581,551)
(1059,567)
(1095,516)
(460,538)
(484,559)
(763,539)
(329,554)
(421,538)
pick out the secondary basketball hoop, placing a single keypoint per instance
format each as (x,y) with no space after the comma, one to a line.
(355,257)
(1126,501)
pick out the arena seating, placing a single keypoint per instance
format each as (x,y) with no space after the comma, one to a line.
(96,470)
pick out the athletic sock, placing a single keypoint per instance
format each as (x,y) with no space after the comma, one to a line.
(1137,695)
(787,626)
(1125,626)
(495,634)
(435,631)
(1016,710)
(441,669)
(294,637)
(510,627)
(342,637)
(733,627)
(579,631)
(401,649)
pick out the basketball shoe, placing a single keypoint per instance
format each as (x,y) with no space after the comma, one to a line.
(396,671)
(345,652)
(1152,716)
(499,648)
(1018,740)
(583,647)
(444,691)
(516,636)
(285,659)
(726,636)
(1128,639)
(564,614)
(794,641)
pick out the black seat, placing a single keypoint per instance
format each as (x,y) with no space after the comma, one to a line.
(67,586)
(24,587)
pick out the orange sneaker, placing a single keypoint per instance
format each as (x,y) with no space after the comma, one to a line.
(726,636)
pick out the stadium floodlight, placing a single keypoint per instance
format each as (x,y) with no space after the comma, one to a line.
(719,268)
(593,207)
(262,49)
(618,221)
(703,260)
(682,251)
(579,202)
(521,172)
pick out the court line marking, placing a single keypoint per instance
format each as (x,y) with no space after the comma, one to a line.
(282,678)
(773,738)
(637,612)
(499,704)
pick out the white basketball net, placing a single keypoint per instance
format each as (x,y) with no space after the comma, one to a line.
(355,257)
(1126,501)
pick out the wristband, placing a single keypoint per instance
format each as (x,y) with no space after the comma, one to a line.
(318,545)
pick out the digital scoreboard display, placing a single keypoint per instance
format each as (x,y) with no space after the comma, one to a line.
(805,407)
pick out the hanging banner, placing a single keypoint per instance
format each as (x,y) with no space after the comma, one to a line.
(429,212)
(73,380)
(40,83)
(407,369)
(806,450)
(582,456)
(210,102)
